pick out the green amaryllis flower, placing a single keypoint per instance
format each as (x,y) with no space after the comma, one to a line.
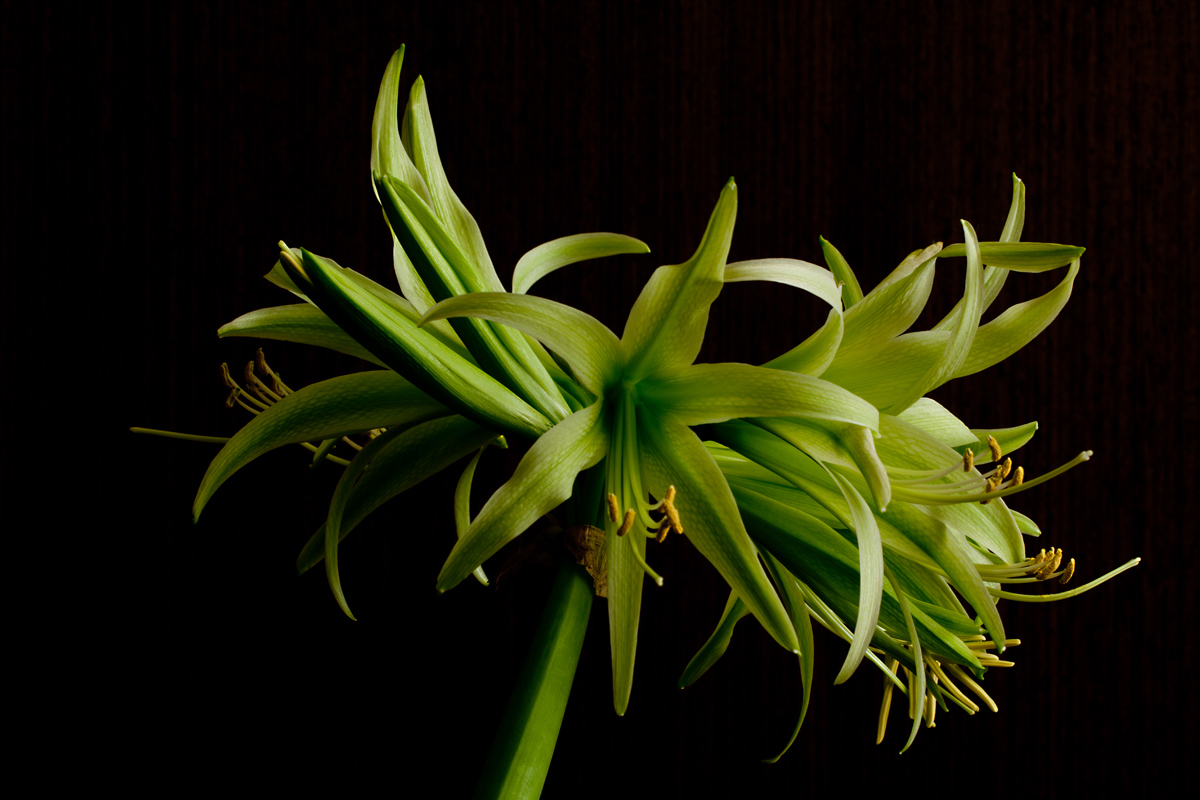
(878,538)
(648,394)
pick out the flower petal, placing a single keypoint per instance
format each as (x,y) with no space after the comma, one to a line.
(870,571)
(712,650)
(557,253)
(673,456)
(851,291)
(707,393)
(814,354)
(445,203)
(407,460)
(388,156)
(337,407)
(892,306)
(590,348)
(543,480)
(936,420)
(419,356)
(301,323)
(1021,256)
(666,326)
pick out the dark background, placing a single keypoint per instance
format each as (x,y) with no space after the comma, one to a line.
(153,155)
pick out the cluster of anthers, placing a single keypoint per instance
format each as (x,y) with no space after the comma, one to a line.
(257,397)
(942,685)
(669,522)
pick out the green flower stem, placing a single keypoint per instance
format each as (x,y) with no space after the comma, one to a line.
(520,756)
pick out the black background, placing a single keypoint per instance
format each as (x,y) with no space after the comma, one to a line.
(152,157)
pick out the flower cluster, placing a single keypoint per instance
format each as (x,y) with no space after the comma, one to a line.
(822,485)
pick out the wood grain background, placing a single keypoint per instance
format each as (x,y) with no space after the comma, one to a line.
(154,153)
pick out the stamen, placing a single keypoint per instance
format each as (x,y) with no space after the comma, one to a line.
(614,510)
(663,529)
(1005,468)
(953,689)
(1068,572)
(974,687)
(627,524)
(994,446)
(1051,564)
(668,505)
(968,460)
(1019,478)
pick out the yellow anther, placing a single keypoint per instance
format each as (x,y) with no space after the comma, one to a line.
(225,376)
(968,459)
(1051,564)
(992,484)
(1068,572)
(668,505)
(262,362)
(1005,468)
(1019,477)
(994,446)
(663,529)
(614,510)
(627,523)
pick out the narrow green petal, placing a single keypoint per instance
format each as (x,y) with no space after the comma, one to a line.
(993,278)
(666,326)
(445,203)
(675,457)
(851,291)
(301,323)
(849,446)
(1009,439)
(815,354)
(793,602)
(870,570)
(625,581)
(707,393)
(557,253)
(791,272)
(592,350)
(712,650)
(1017,326)
(883,373)
(337,407)
(543,480)
(448,271)
(892,306)
(1021,256)
(915,640)
(936,420)
(337,506)
(388,156)
(405,462)
(462,505)
(962,335)
(420,356)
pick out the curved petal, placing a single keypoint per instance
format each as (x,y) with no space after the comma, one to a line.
(333,408)
(666,325)
(851,291)
(892,306)
(592,350)
(1021,256)
(673,456)
(816,353)
(301,323)
(405,462)
(935,419)
(558,253)
(870,576)
(706,393)
(958,345)
(388,156)
(543,480)
(712,650)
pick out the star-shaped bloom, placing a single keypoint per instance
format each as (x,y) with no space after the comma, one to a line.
(648,394)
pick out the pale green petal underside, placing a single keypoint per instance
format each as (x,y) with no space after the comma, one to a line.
(1009,439)
(445,203)
(870,570)
(388,156)
(1020,256)
(542,481)
(851,291)
(672,455)
(590,348)
(666,326)
(707,393)
(462,505)
(301,323)
(558,253)
(406,461)
(891,307)
(793,601)
(712,650)
(423,358)
(816,353)
(932,417)
(337,407)
(626,579)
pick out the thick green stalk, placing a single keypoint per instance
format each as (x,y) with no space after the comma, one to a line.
(520,756)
